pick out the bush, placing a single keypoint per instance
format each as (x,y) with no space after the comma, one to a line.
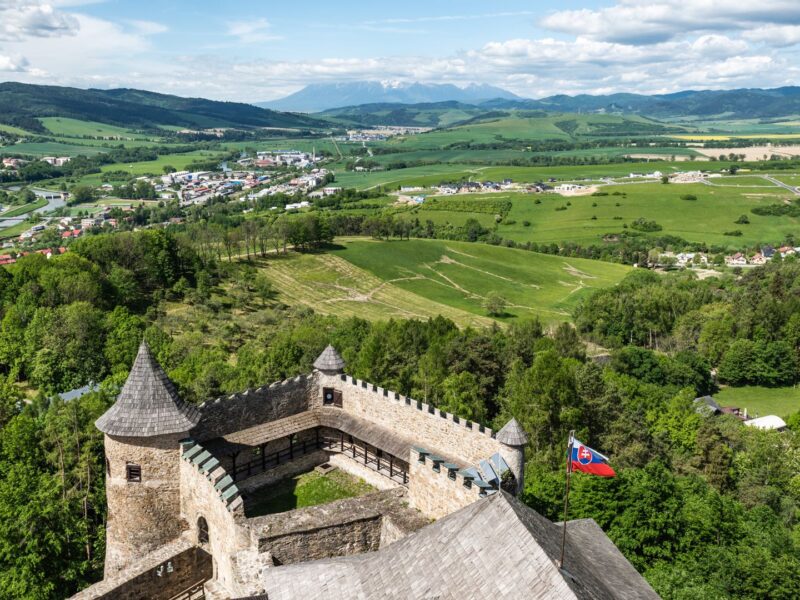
(742,220)
(526,223)
(688,197)
(736,233)
(641,224)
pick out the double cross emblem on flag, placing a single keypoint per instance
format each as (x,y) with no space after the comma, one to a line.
(584,459)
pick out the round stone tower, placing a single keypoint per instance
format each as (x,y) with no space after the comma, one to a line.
(142,433)
(513,439)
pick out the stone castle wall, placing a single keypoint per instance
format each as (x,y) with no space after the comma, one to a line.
(160,575)
(227,531)
(427,426)
(228,414)
(142,516)
(434,493)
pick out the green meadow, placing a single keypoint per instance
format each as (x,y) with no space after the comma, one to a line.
(761,401)
(461,275)
(66,127)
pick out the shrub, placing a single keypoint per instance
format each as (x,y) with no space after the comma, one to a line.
(688,197)
(642,224)
(735,233)
(742,220)
(526,223)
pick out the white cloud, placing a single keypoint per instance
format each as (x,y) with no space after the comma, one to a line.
(12,65)
(21,19)
(654,21)
(774,35)
(250,32)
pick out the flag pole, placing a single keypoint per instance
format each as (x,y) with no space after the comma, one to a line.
(566,497)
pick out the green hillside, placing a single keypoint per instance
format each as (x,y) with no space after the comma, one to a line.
(22,105)
(461,275)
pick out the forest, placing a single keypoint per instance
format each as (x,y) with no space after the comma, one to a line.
(702,506)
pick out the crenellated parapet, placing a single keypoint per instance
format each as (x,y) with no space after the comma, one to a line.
(208,466)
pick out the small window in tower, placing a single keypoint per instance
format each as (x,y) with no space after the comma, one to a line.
(327,395)
(133,472)
(108,467)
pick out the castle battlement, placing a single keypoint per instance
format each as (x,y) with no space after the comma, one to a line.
(181,472)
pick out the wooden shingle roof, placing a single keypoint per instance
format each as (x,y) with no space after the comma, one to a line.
(329,360)
(148,404)
(512,434)
(495,547)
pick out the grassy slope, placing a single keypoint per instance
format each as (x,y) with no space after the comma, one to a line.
(331,285)
(73,127)
(761,401)
(24,209)
(460,275)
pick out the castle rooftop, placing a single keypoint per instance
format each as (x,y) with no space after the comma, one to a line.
(512,434)
(329,360)
(148,404)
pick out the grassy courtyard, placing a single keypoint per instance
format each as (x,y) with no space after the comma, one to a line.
(308,489)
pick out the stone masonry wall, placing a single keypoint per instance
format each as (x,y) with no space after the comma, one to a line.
(142,516)
(227,530)
(428,427)
(243,410)
(435,494)
(180,565)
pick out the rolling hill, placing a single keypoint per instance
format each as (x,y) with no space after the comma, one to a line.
(22,105)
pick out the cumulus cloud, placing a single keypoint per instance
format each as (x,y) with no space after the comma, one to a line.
(12,65)
(20,19)
(654,21)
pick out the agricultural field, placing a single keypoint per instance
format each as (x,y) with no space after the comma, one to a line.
(461,275)
(330,284)
(761,401)
(553,218)
(12,129)
(62,126)
(39,149)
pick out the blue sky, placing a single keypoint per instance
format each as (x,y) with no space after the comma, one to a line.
(250,51)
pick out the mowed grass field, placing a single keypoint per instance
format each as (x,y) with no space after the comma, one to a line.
(761,401)
(461,275)
(331,285)
(430,175)
(76,128)
(705,219)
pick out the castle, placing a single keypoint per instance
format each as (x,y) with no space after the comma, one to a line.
(443,523)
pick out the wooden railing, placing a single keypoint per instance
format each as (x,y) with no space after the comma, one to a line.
(370,456)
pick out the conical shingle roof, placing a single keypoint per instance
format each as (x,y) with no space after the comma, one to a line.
(329,360)
(148,404)
(512,434)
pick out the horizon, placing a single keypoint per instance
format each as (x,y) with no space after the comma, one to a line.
(252,53)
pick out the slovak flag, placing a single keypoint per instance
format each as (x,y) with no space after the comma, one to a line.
(589,461)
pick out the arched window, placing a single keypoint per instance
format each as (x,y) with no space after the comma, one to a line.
(202,530)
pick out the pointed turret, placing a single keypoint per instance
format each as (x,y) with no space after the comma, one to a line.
(512,434)
(513,439)
(329,361)
(148,404)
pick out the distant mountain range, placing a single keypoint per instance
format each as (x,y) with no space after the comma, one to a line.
(746,103)
(691,104)
(318,97)
(22,104)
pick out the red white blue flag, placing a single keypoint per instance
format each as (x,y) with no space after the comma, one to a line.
(590,461)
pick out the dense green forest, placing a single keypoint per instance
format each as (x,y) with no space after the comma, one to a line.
(704,507)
